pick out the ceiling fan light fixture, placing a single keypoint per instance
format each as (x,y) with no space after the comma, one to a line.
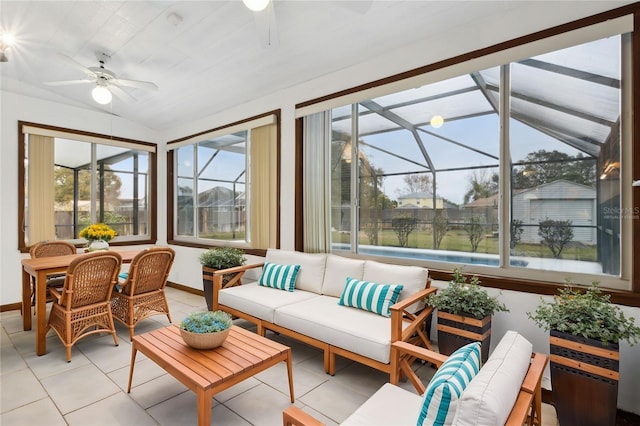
(256,5)
(101,95)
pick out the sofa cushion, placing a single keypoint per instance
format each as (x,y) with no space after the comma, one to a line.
(413,278)
(282,277)
(258,301)
(321,318)
(372,297)
(441,398)
(489,398)
(337,271)
(312,267)
(375,411)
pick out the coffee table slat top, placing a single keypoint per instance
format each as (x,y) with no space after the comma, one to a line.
(241,349)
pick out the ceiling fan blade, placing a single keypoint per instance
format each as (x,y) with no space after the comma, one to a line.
(68,82)
(146,85)
(266,27)
(76,64)
(121,94)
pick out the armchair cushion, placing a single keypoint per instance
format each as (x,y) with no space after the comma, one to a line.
(372,297)
(282,277)
(490,397)
(445,388)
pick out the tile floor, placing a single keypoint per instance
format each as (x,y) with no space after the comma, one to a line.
(91,389)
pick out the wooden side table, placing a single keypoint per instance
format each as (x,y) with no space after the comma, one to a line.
(207,372)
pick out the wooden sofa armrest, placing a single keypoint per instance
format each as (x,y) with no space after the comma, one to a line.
(400,316)
(217,275)
(293,416)
(402,356)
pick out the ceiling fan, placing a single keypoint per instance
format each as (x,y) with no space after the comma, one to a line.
(106,81)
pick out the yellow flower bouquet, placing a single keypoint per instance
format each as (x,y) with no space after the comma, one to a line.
(98,231)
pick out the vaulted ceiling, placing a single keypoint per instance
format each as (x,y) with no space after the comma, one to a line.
(206,56)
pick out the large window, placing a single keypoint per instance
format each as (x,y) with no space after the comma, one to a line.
(515,166)
(225,185)
(70,180)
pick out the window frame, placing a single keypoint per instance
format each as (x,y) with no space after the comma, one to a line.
(497,278)
(90,137)
(172,146)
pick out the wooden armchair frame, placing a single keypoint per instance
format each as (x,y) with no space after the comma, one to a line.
(526,409)
(405,325)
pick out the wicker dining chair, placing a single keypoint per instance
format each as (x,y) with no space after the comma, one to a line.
(142,293)
(50,249)
(84,305)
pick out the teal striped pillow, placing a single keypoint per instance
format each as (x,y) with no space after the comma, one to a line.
(445,388)
(282,277)
(372,297)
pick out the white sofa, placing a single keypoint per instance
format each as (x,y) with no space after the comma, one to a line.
(506,390)
(311,312)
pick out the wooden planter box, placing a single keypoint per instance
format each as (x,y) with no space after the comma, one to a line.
(228,280)
(584,380)
(455,331)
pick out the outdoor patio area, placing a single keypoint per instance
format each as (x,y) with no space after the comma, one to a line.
(91,389)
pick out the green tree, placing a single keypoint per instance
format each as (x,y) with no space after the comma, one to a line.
(517,230)
(475,229)
(555,234)
(403,226)
(440,228)
(481,185)
(64,179)
(543,166)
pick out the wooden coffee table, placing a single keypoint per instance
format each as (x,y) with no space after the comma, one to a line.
(207,372)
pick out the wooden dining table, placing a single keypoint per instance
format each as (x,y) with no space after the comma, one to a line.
(39,268)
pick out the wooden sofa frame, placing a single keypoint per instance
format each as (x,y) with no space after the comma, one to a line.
(527,409)
(413,323)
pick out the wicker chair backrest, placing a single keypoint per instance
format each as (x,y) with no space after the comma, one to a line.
(149,270)
(91,279)
(52,249)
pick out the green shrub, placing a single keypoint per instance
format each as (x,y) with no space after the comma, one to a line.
(462,298)
(222,258)
(588,314)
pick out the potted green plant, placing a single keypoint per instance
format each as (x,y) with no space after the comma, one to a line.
(205,329)
(216,259)
(464,314)
(585,330)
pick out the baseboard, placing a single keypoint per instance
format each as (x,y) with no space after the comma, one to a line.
(185,288)
(11,307)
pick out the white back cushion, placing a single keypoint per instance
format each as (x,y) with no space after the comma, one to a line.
(413,278)
(338,269)
(490,396)
(312,265)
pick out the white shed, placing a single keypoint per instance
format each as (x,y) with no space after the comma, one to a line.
(558,200)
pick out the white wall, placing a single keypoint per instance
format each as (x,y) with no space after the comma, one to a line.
(519,18)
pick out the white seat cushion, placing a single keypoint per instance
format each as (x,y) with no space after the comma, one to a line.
(312,267)
(352,329)
(490,396)
(259,301)
(390,405)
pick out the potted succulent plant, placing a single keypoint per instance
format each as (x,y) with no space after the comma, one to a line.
(205,329)
(585,330)
(219,258)
(464,314)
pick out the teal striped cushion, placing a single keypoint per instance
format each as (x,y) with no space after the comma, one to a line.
(282,277)
(445,388)
(372,297)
